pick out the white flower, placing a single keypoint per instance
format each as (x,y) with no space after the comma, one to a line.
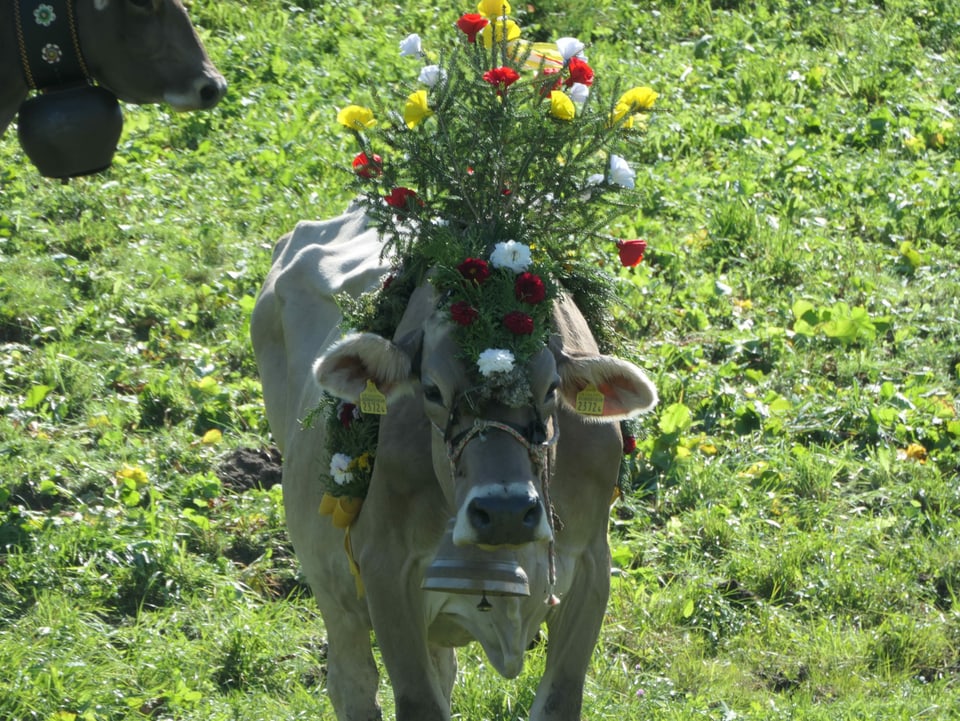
(410,46)
(339,465)
(621,173)
(578,92)
(594,179)
(431,75)
(512,255)
(570,48)
(495,360)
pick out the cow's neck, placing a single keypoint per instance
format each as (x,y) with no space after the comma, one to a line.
(13,87)
(39,49)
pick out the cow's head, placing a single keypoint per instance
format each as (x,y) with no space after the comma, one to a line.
(147,51)
(492,457)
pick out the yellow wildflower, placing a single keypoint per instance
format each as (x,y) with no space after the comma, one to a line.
(561,106)
(498,30)
(356,117)
(416,110)
(493,8)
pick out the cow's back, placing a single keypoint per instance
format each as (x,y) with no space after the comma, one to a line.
(296,316)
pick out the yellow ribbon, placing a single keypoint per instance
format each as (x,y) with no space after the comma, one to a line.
(344,511)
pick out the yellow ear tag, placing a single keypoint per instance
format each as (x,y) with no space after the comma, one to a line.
(590,401)
(372,401)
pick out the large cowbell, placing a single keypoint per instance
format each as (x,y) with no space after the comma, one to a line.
(70,131)
(473,570)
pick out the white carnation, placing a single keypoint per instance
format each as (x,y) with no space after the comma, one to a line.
(430,75)
(495,360)
(578,92)
(621,173)
(570,48)
(512,255)
(339,465)
(411,46)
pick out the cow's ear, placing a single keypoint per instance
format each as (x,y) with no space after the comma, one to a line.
(350,364)
(604,388)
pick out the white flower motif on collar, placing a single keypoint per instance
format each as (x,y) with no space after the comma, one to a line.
(570,48)
(340,468)
(430,75)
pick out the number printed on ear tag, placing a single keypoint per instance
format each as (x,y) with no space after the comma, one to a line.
(590,401)
(372,401)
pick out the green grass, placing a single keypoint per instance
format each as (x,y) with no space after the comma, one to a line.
(789,546)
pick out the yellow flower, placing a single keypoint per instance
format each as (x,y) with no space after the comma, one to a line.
(916,452)
(498,30)
(561,106)
(493,8)
(633,100)
(416,110)
(356,117)
(638,98)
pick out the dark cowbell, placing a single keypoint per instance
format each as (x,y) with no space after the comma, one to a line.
(70,131)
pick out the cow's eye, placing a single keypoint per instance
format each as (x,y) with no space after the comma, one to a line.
(432,394)
(551,392)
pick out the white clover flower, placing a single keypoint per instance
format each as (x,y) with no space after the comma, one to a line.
(621,173)
(570,48)
(430,75)
(512,255)
(339,468)
(495,360)
(578,92)
(411,46)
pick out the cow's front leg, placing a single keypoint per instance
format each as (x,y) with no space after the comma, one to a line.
(574,627)
(421,691)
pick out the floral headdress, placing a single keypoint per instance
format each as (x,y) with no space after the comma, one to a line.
(493,173)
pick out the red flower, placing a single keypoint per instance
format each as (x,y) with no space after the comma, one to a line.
(518,323)
(529,288)
(463,313)
(367,167)
(503,77)
(631,251)
(629,445)
(475,269)
(579,71)
(348,414)
(471,24)
(400,198)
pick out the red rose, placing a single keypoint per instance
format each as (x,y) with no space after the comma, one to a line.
(631,251)
(475,269)
(529,288)
(629,445)
(367,167)
(471,24)
(580,72)
(503,77)
(463,313)
(400,198)
(518,323)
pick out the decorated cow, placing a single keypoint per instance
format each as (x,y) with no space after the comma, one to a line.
(450,427)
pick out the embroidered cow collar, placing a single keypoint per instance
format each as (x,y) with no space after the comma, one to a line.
(49,45)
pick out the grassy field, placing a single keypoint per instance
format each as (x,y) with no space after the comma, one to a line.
(790,546)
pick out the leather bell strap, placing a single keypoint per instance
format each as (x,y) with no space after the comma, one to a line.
(48,43)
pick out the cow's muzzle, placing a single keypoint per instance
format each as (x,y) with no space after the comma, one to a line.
(499,516)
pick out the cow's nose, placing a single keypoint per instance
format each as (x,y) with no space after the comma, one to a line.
(505,520)
(210,91)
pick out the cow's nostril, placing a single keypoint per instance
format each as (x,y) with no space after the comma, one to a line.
(532,517)
(209,93)
(479,518)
